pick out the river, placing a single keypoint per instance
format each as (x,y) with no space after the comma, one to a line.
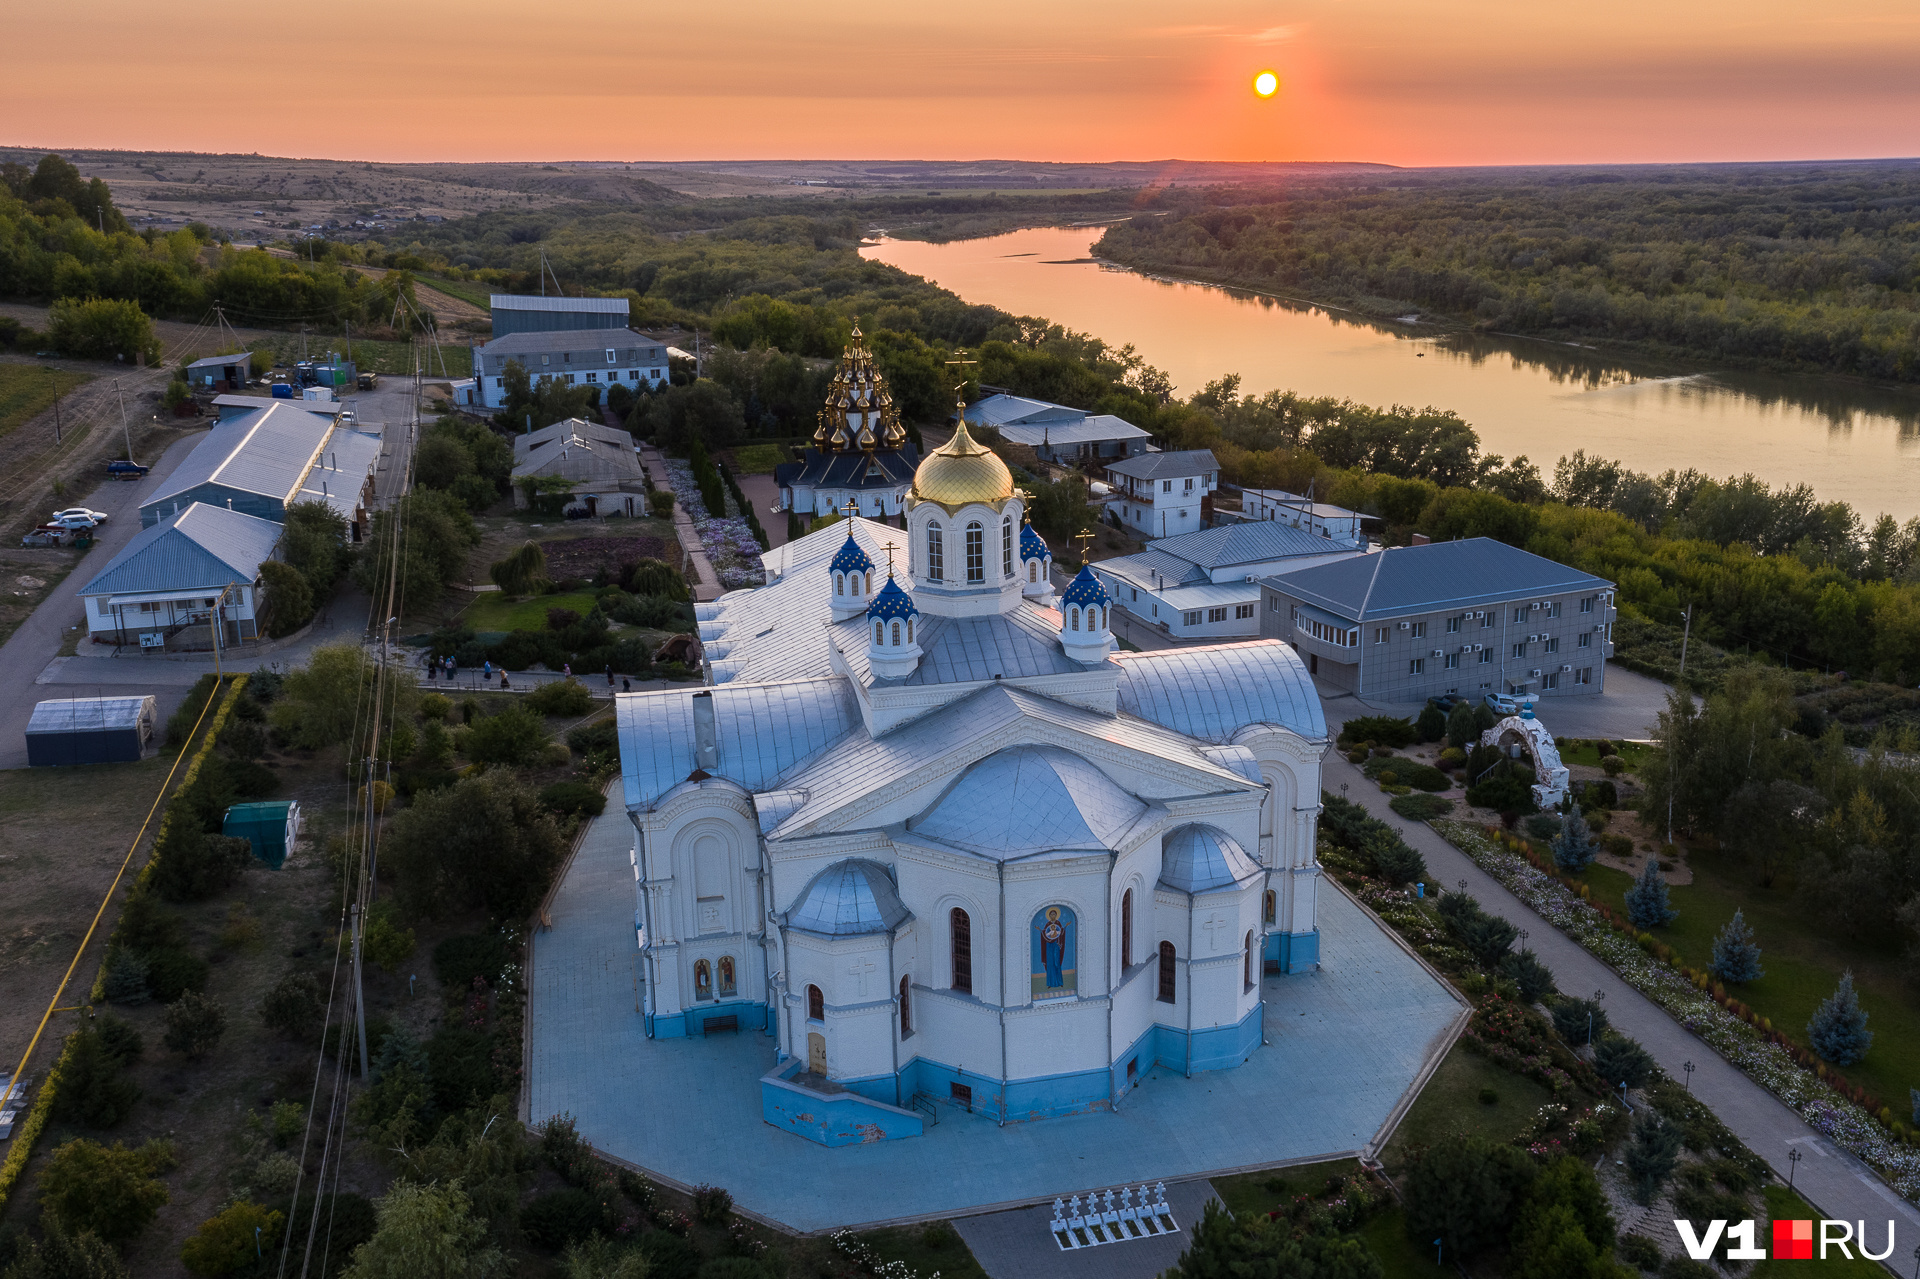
(1544,399)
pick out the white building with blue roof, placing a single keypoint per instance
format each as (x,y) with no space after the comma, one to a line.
(1205,585)
(184,575)
(1058,433)
(940,844)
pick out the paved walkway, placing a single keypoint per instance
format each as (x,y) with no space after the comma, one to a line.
(1836,1183)
(764,495)
(1630,707)
(1019,1244)
(1345,1045)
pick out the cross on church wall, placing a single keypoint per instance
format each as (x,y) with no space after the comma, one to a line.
(859,971)
(1213,928)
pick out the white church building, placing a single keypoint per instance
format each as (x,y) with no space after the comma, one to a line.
(927,830)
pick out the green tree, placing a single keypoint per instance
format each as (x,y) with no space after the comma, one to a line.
(1736,958)
(387,943)
(1564,1229)
(1464,1190)
(426,1232)
(1574,848)
(524,572)
(226,1243)
(484,841)
(1652,1155)
(102,329)
(293,1007)
(1619,1060)
(109,1190)
(1647,900)
(435,530)
(60,1255)
(94,1088)
(703,411)
(513,738)
(1838,1029)
(314,540)
(322,703)
(289,599)
(195,1025)
(1221,1247)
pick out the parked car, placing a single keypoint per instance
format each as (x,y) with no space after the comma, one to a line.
(1501,704)
(124,470)
(368,381)
(78,517)
(1446,702)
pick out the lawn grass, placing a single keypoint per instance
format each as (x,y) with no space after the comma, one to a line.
(934,1247)
(477,292)
(1259,1193)
(1633,753)
(1784,1205)
(1451,1103)
(1385,1235)
(29,389)
(498,611)
(758,459)
(1803,959)
(369,356)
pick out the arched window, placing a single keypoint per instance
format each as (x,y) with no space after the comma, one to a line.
(879,633)
(1033,570)
(960,932)
(1246,964)
(839,584)
(976,552)
(909,630)
(906,1007)
(936,556)
(869,581)
(816,1004)
(1006,547)
(1126,930)
(702,979)
(1103,617)
(727,982)
(1166,972)
(1267,910)
(896,635)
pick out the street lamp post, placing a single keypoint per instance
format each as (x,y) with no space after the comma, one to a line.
(1599,997)
(1793,1166)
(1688,1067)
(1523,941)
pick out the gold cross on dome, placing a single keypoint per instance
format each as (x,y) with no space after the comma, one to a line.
(888,548)
(1083,537)
(851,509)
(961,362)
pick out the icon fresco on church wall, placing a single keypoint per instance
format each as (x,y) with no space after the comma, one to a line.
(702,980)
(726,975)
(1054,957)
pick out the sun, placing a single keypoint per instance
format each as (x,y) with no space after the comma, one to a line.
(1266,84)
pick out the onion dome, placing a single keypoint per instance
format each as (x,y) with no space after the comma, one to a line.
(1032,545)
(961,471)
(1085,589)
(891,603)
(1200,859)
(849,899)
(859,412)
(851,559)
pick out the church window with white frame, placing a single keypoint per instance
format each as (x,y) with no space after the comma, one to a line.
(976,553)
(936,554)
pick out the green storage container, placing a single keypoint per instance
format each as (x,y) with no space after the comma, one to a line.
(272,826)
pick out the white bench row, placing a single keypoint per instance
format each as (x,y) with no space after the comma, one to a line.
(1138,1214)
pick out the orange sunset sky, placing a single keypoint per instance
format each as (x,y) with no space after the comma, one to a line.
(1400,81)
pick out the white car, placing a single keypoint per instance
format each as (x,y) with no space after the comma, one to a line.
(78,517)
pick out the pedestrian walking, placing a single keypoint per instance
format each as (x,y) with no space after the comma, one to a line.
(566,669)
(609,675)
(433,667)
(504,686)
(486,670)
(626,685)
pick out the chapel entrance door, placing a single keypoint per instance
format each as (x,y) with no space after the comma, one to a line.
(817,1053)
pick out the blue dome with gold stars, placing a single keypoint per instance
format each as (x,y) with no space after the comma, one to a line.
(1085,589)
(1032,545)
(851,559)
(892,602)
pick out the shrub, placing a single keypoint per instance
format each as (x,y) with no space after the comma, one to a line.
(59,1254)
(293,1007)
(435,706)
(1736,959)
(1544,826)
(225,1244)
(1384,730)
(1453,757)
(1640,1252)
(289,601)
(1647,901)
(1613,765)
(1432,724)
(192,866)
(569,1154)
(1503,792)
(1578,1020)
(1651,1155)
(513,737)
(1524,969)
(1463,1189)
(1600,795)
(94,1089)
(195,1025)
(422,1230)
(560,697)
(386,942)
(712,1205)
(460,1068)
(1420,808)
(574,799)
(1489,1097)
(1620,846)
(669,1256)
(112,1191)
(1838,1029)
(458,960)
(126,981)
(172,971)
(561,1217)
(1619,1060)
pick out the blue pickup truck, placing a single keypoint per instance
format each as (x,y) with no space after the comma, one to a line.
(120,469)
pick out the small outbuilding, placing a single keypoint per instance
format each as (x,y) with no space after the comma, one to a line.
(272,826)
(220,372)
(90,730)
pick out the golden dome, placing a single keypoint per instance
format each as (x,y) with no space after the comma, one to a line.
(962,471)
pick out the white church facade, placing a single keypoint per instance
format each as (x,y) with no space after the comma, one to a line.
(931,834)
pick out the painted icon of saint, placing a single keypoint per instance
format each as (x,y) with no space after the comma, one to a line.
(1053,948)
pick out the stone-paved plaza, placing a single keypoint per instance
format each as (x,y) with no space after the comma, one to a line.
(1344,1046)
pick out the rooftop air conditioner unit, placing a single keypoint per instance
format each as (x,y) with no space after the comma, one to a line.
(1466,648)
(1533,606)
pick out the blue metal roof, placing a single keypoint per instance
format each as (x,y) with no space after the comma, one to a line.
(1213,692)
(849,899)
(892,602)
(1199,859)
(1247,542)
(203,547)
(851,559)
(1030,799)
(1085,589)
(1425,579)
(1032,545)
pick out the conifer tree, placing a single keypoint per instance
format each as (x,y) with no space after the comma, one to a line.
(1647,903)
(1575,849)
(1651,1156)
(1736,960)
(1838,1030)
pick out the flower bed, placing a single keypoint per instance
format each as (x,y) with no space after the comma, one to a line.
(1826,1101)
(729,544)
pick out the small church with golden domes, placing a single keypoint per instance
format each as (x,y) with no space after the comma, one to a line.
(860,453)
(935,841)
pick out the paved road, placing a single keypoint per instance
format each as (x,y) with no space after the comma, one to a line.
(1836,1183)
(1629,708)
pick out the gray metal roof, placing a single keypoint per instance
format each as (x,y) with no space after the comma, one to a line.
(88,714)
(537,442)
(1156,466)
(761,730)
(1030,799)
(1200,859)
(221,361)
(1151,568)
(578,450)
(961,650)
(202,548)
(519,302)
(1249,542)
(1213,692)
(341,472)
(538,341)
(780,631)
(267,451)
(849,899)
(1095,428)
(1001,409)
(1432,578)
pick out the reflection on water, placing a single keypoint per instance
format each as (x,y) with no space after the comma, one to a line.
(1524,396)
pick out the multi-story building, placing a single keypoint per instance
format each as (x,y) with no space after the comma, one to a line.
(517,313)
(1164,494)
(1206,585)
(1057,433)
(1282,507)
(1473,617)
(574,357)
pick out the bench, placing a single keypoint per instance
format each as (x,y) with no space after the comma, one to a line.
(712,1024)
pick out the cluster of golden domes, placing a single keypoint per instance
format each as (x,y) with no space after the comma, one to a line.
(859,412)
(962,470)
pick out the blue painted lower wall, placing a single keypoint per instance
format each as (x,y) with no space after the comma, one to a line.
(1293,952)
(838,1119)
(692,1021)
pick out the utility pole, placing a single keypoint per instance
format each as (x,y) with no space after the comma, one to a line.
(1680,682)
(124,431)
(359,994)
(56,405)
(1685,635)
